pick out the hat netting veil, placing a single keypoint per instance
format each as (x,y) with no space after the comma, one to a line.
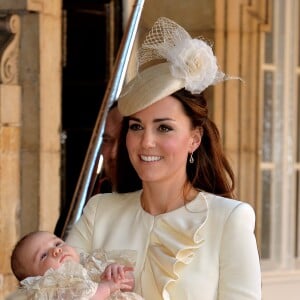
(191,59)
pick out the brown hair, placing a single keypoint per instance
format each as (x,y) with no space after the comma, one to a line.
(210,172)
(15,261)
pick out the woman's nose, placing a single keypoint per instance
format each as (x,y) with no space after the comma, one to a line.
(57,251)
(148,139)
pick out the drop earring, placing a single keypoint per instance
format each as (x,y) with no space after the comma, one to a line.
(191,159)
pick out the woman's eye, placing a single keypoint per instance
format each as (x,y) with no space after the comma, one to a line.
(57,244)
(164,128)
(135,127)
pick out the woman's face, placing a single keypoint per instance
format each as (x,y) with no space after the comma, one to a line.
(159,139)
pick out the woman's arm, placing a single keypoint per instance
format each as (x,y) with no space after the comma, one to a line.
(240,276)
(80,236)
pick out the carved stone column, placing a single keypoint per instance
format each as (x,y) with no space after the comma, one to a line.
(237,101)
(10,123)
(30,118)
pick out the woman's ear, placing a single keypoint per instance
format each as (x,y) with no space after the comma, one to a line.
(196,136)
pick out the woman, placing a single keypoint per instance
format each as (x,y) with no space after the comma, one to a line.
(174,185)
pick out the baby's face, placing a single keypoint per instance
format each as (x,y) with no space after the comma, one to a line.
(43,251)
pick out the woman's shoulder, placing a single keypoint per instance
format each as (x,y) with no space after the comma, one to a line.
(113,200)
(227,207)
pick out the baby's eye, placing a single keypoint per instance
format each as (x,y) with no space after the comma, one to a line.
(59,243)
(135,126)
(164,128)
(43,256)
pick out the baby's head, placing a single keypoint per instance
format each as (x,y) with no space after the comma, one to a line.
(39,251)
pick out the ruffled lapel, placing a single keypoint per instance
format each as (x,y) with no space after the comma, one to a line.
(175,239)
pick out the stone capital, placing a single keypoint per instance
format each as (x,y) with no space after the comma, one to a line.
(10,27)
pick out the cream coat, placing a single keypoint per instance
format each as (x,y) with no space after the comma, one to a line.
(205,250)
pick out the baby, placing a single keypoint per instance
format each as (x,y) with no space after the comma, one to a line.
(48,268)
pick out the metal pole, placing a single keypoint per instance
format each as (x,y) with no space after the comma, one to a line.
(112,92)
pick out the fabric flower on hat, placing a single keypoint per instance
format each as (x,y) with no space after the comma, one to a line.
(191,59)
(194,61)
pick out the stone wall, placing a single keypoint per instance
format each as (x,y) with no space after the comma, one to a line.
(30,113)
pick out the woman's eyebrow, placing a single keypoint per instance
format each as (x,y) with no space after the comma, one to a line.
(155,120)
(134,119)
(163,119)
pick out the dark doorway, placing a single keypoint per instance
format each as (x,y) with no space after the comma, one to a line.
(92,34)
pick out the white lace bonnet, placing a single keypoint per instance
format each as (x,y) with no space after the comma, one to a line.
(189,63)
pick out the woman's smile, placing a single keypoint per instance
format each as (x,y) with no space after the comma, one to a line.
(150,158)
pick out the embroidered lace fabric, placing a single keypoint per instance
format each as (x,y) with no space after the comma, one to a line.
(58,284)
(73,281)
(96,262)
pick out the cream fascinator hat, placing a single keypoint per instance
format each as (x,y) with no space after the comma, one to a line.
(188,63)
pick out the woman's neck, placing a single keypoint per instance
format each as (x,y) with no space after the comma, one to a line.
(158,198)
